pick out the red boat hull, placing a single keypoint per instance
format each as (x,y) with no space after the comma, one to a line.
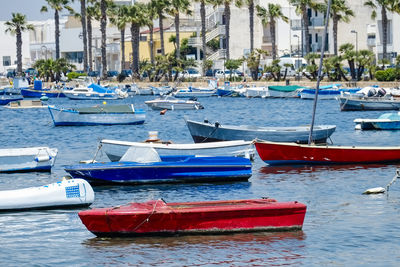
(290,153)
(160,218)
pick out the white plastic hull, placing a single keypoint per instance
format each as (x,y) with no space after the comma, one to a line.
(64,194)
(27,159)
(68,118)
(115,149)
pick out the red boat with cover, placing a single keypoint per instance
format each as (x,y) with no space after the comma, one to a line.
(290,153)
(159,218)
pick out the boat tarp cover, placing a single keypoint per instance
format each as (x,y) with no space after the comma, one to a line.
(141,155)
(100,89)
(283,88)
(106,109)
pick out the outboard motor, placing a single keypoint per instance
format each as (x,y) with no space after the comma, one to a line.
(381,92)
(371,92)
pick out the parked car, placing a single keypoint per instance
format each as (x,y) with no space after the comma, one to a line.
(127,73)
(220,74)
(93,74)
(190,73)
(112,73)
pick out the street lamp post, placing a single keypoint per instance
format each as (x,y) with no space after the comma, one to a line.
(354,31)
(298,51)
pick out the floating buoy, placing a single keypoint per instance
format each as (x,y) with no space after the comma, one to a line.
(162,112)
(382,190)
(44,98)
(104,103)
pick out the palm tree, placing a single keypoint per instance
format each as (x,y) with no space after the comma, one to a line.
(84,35)
(178,6)
(16,26)
(92,12)
(250,6)
(203,32)
(137,18)
(227,14)
(58,6)
(385,6)
(269,16)
(339,12)
(161,6)
(301,9)
(151,14)
(82,16)
(120,18)
(103,25)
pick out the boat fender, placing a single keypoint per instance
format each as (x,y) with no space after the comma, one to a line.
(162,112)
(43,158)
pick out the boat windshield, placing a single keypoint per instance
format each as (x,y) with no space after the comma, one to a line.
(141,155)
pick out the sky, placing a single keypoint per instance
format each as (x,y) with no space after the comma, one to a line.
(30,8)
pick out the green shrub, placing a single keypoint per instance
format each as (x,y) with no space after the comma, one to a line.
(73,75)
(380,75)
(390,75)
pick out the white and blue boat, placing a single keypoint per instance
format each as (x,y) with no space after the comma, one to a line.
(95,92)
(5,99)
(97,115)
(38,91)
(144,165)
(28,159)
(386,121)
(194,92)
(327,92)
(65,194)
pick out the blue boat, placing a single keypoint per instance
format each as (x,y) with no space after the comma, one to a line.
(386,121)
(38,91)
(327,92)
(5,99)
(148,167)
(97,115)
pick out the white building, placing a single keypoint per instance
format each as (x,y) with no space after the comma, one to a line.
(8,50)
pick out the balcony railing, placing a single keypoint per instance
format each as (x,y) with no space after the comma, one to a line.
(295,24)
(371,42)
(317,22)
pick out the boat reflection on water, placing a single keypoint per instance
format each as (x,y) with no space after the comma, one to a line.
(219,241)
(302,169)
(240,249)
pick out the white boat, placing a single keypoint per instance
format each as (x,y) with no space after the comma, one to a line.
(171,103)
(161,90)
(115,149)
(194,92)
(256,92)
(65,194)
(94,92)
(97,115)
(27,159)
(22,104)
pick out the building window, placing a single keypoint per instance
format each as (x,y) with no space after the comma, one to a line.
(158,51)
(6,60)
(143,38)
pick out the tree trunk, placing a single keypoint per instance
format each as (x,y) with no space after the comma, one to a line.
(160,23)
(306,30)
(335,21)
(251,23)
(19,52)
(384,31)
(135,32)
(273,37)
(84,35)
(203,33)
(178,50)
(89,33)
(151,29)
(57,33)
(227,11)
(103,24)
(122,49)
